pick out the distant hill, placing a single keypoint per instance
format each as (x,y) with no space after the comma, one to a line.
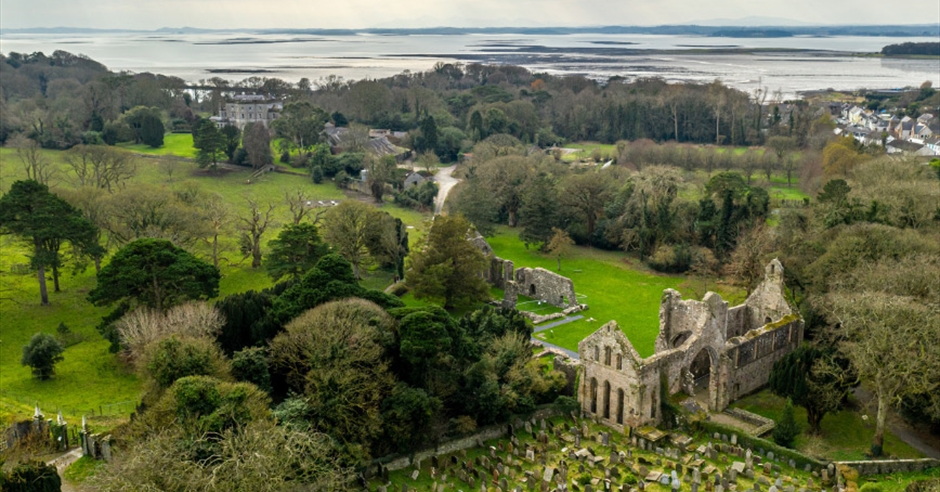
(769,31)
(752,33)
(929,49)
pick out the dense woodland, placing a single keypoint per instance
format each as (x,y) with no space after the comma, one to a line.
(325,374)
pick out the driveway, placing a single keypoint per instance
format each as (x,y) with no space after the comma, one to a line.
(445,181)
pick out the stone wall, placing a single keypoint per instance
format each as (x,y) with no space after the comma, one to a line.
(475,440)
(537,283)
(735,348)
(884,467)
(544,285)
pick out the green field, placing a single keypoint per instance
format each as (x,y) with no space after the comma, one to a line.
(178,144)
(614,285)
(846,435)
(90,379)
(586,151)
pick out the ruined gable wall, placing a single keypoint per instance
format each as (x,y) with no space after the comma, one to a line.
(539,283)
(608,357)
(768,303)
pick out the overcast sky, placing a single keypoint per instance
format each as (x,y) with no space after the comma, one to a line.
(153,14)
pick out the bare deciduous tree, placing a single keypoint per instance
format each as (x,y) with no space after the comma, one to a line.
(143,326)
(253,227)
(215,213)
(301,205)
(100,166)
(37,166)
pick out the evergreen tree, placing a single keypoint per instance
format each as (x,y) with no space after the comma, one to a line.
(787,429)
(539,212)
(232,137)
(427,142)
(448,268)
(724,235)
(152,130)
(210,144)
(30,211)
(296,249)
(41,355)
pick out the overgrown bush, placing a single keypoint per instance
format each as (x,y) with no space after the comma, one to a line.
(31,476)
(176,357)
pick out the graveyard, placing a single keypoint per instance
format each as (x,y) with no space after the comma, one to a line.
(574,454)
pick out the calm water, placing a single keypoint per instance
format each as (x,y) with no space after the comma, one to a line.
(234,56)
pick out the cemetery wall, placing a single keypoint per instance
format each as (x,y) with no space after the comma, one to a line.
(884,467)
(453,445)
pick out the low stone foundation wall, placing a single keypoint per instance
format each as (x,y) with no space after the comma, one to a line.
(763,424)
(883,467)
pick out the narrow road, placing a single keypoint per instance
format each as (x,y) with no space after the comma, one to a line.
(445,181)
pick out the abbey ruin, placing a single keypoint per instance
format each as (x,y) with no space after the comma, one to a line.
(723,353)
(536,283)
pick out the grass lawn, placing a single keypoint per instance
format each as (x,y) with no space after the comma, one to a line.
(784,193)
(178,144)
(612,285)
(586,150)
(845,435)
(90,378)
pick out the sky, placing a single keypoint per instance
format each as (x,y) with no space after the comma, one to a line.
(153,14)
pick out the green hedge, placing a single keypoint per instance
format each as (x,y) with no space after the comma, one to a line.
(755,443)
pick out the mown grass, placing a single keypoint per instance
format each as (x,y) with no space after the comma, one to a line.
(90,380)
(613,285)
(846,435)
(178,144)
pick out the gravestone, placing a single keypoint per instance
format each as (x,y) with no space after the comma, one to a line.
(414,474)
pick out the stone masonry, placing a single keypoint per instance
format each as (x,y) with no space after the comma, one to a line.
(536,283)
(734,348)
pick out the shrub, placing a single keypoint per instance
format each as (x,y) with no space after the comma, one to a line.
(251,365)
(928,485)
(177,357)
(41,354)
(870,487)
(285,157)
(317,174)
(671,259)
(31,476)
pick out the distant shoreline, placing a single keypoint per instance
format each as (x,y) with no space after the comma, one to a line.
(768,31)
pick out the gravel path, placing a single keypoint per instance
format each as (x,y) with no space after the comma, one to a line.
(557,323)
(62,462)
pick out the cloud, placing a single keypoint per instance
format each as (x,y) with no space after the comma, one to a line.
(152,14)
